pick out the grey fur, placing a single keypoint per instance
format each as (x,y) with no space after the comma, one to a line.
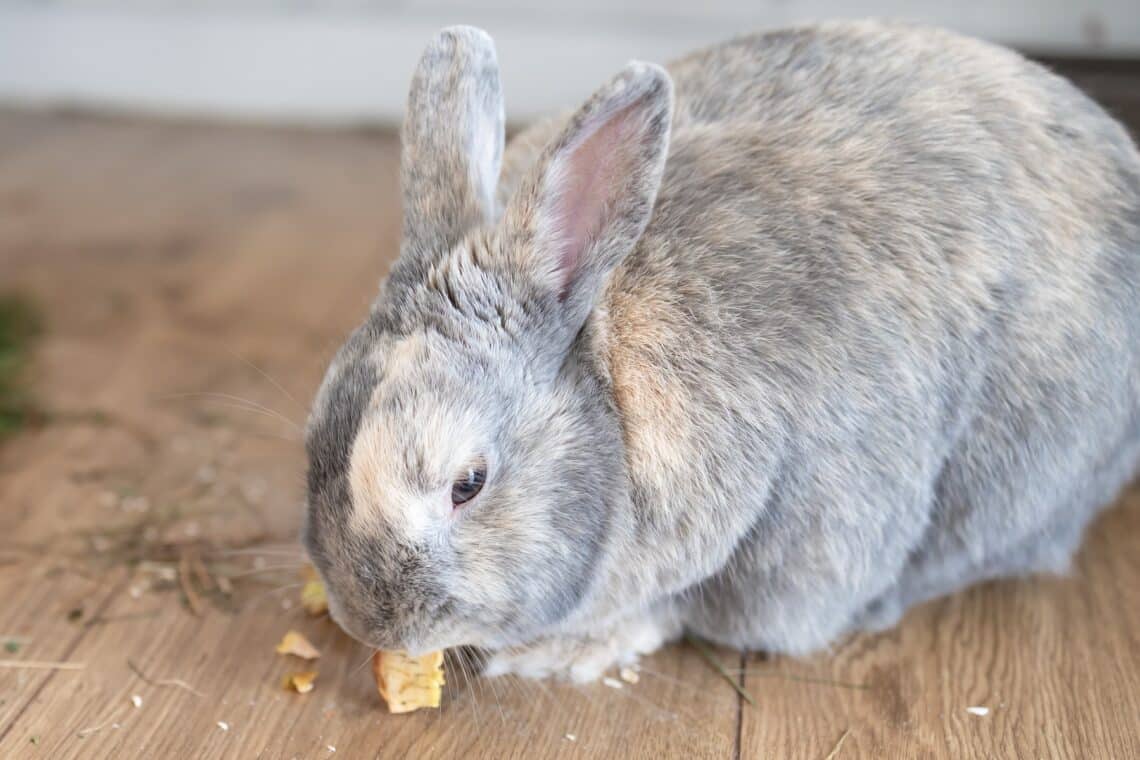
(452,141)
(878,340)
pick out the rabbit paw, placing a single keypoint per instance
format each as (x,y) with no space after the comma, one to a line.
(581,659)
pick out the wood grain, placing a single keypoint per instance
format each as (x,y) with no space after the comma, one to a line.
(1055,660)
(170,260)
(196,280)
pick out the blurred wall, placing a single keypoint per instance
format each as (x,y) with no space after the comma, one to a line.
(346,61)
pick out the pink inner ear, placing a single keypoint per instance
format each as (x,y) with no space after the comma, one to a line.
(586,181)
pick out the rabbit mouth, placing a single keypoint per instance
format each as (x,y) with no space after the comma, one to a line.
(446,636)
(417,640)
(383,637)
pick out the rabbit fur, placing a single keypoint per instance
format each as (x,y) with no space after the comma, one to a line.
(765,346)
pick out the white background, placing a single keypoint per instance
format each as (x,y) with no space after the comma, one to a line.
(348,61)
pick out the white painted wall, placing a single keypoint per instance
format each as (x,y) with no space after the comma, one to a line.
(345,61)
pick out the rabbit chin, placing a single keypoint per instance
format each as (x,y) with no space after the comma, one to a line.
(446,636)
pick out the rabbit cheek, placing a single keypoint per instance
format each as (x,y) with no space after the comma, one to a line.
(380,495)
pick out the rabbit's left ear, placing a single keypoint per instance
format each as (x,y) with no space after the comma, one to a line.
(452,140)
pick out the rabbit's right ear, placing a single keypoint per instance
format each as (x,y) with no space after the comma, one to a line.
(588,198)
(452,140)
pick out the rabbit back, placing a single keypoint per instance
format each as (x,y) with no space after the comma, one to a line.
(880,339)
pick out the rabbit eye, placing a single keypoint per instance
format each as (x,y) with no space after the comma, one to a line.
(468,487)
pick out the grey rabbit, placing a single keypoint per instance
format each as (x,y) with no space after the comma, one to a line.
(766,346)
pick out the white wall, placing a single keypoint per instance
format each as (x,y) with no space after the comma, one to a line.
(349,60)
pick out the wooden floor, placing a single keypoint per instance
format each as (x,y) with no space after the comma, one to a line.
(195,280)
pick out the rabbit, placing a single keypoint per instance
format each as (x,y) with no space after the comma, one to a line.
(764,347)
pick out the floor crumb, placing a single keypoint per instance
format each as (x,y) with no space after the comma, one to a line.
(613,683)
(980,711)
(223,725)
(136,700)
(571,737)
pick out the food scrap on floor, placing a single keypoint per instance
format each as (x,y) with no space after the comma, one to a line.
(296,644)
(301,682)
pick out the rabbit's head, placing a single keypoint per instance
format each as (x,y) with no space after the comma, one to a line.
(464,459)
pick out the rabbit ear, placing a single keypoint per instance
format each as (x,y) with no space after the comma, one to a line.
(589,197)
(452,141)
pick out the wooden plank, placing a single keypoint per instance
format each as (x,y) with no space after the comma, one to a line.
(1055,660)
(230,660)
(165,257)
(49,599)
(214,264)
